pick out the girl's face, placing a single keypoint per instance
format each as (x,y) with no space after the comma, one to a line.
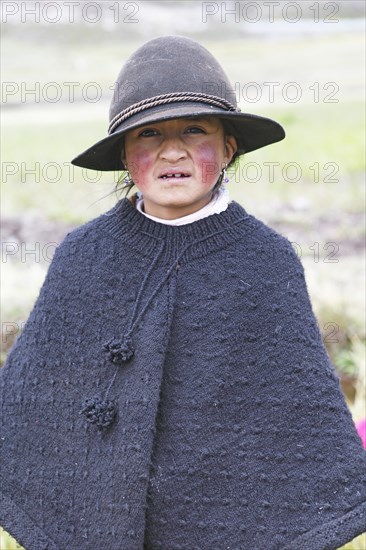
(176,163)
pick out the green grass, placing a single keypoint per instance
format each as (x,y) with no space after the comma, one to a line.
(7,542)
(358,543)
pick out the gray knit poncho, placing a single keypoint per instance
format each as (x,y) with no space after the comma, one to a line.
(171,391)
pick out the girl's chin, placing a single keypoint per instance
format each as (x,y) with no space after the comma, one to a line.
(174,203)
(175,207)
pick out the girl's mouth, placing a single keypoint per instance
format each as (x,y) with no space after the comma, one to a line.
(176,176)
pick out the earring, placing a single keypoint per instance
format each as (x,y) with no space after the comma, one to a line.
(127,181)
(139,195)
(225,179)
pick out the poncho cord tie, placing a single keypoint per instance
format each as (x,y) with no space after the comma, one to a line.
(102,411)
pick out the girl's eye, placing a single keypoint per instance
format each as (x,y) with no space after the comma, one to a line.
(194,130)
(148,132)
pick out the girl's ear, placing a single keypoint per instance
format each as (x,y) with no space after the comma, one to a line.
(231,147)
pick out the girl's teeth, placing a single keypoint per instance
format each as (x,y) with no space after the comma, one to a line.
(173,176)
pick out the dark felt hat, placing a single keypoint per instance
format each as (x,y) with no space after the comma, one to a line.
(173,77)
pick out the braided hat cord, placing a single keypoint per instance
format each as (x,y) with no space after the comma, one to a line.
(168,98)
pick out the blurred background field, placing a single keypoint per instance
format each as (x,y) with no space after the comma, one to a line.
(310,187)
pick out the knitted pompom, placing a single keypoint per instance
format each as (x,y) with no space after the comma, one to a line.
(99,412)
(120,351)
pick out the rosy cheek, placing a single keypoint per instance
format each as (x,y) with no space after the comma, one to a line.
(207,160)
(140,165)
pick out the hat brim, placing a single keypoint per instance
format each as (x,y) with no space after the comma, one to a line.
(252,132)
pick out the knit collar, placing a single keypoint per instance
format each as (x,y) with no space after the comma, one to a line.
(192,240)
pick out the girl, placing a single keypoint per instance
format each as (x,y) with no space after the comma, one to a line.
(171,389)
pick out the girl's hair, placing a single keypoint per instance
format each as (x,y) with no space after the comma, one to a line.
(123,190)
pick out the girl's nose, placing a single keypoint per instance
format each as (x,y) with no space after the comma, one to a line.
(172,149)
